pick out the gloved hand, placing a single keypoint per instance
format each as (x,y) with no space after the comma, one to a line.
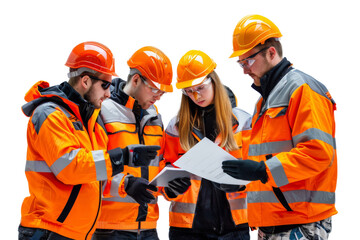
(229,187)
(133,155)
(141,155)
(177,186)
(246,170)
(137,188)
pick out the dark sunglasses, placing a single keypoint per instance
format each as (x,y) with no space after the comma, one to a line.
(105,84)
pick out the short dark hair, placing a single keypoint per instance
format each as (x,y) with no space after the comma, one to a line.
(272,42)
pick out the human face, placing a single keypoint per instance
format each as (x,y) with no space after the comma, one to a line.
(146,94)
(202,94)
(99,90)
(255,64)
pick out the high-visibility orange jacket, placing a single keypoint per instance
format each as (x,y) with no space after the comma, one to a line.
(293,131)
(65,162)
(121,115)
(183,208)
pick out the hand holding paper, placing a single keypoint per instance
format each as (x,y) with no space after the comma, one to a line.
(167,174)
(246,169)
(205,160)
(177,186)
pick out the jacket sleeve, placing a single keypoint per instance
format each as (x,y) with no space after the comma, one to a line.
(115,187)
(64,148)
(172,151)
(312,125)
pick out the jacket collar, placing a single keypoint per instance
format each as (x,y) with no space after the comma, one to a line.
(272,77)
(119,96)
(63,94)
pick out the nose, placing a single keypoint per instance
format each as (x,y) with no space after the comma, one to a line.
(246,70)
(158,96)
(196,95)
(107,93)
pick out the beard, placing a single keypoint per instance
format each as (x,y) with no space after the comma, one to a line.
(89,97)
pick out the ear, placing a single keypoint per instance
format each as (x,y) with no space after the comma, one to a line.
(272,52)
(135,80)
(85,82)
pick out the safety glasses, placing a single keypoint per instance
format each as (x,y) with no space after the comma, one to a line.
(105,84)
(199,90)
(249,61)
(153,90)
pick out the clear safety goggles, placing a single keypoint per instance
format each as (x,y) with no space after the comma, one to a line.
(249,61)
(153,90)
(201,89)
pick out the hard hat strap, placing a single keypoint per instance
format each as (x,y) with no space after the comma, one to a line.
(79,71)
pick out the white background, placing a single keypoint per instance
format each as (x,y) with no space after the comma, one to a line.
(319,38)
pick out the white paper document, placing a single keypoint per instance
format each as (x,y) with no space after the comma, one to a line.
(205,160)
(168,174)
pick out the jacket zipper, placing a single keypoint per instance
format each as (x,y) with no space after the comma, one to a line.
(97,214)
(142,208)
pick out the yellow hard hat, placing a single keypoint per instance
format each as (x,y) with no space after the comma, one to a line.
(193,68)
(252,30)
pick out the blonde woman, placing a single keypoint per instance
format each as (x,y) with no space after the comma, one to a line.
(207,210)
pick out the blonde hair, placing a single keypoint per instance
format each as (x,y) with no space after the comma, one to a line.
(188,119)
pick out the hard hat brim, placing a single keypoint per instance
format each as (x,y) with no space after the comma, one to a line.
(190,83)
(162,87)
(239,52)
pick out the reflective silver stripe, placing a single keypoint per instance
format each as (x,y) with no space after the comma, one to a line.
(263,196)
(270,147)
(115,184)
(155,161)
(63,161)
(180,207)
(243,118)
(100,164)
(277,171)
(292,197)
(237,204)
(280,95)
(314,133)
(126,199)
(150,120)
(43,111)
(171,128)
(114,112)
(37,166)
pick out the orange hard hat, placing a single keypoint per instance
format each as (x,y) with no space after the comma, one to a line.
(252,30)
(92,55)
(154,65)
(193,68)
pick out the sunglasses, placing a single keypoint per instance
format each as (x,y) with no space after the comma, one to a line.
(105,84)
(249,61)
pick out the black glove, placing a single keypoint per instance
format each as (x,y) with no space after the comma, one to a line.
(246,170)
(229,187)
(137,188)
(141,155)
(177,186)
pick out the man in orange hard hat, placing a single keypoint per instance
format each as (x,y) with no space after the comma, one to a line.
(292,160)
(130,210)
(67,158)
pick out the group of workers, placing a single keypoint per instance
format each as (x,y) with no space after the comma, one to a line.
(95,142)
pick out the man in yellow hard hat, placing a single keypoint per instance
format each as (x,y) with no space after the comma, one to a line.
(292,160)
